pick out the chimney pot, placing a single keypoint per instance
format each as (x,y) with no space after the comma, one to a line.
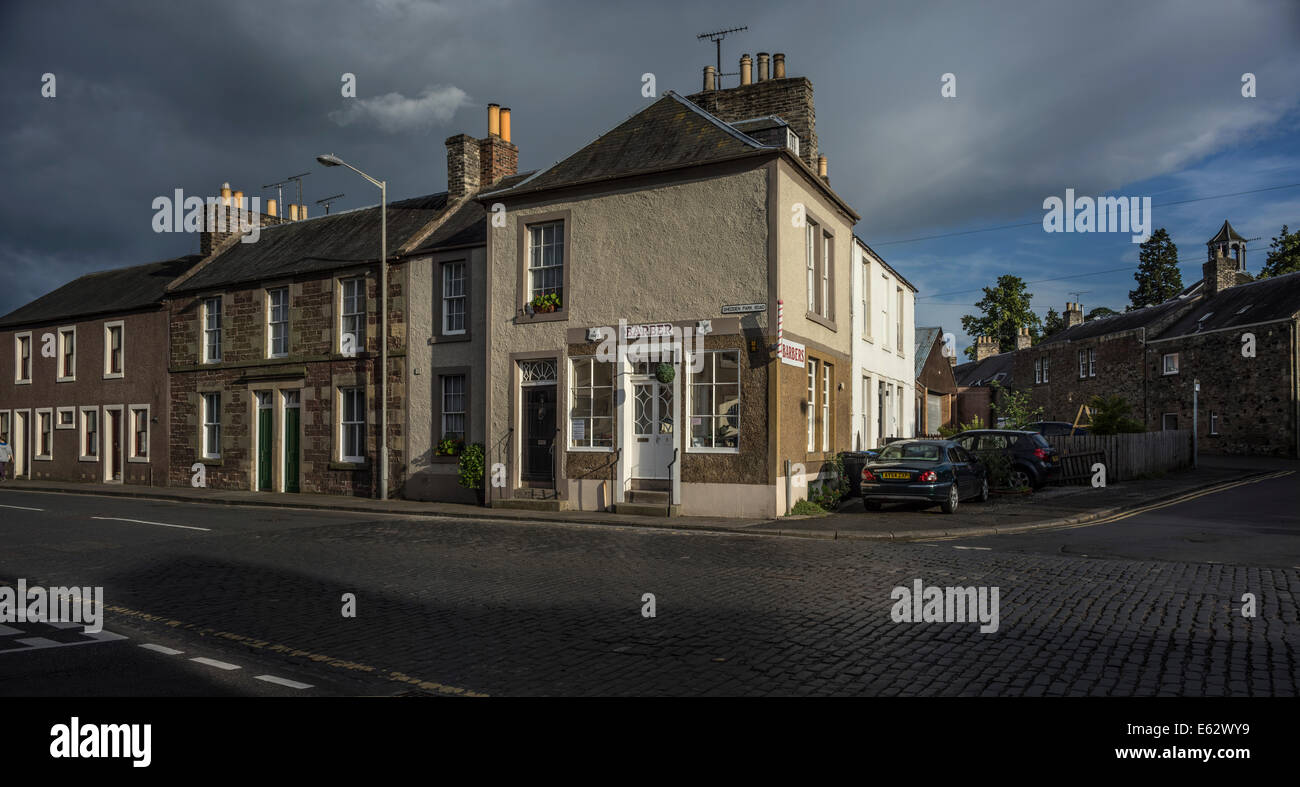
(821,167)
(778,65)
(302,211)
(494,120)
(505,124)
(710,78)
(270,207)
(225,193)
(745,66)
(762,66)
(293,212)
(239,199)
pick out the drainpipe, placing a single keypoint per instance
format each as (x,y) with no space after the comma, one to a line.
(789,489)
(1196,390)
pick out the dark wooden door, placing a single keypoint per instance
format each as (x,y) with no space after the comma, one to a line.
(264,446)
(539,433)
(291,447)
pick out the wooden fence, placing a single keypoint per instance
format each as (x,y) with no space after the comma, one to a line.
(1131,455)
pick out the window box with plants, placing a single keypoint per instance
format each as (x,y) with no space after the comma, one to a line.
(450,446)
(544,304)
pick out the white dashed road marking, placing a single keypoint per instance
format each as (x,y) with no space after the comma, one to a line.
(293,684)
(23,508)
(215,663)
(143,522)
(161,649)
(981,549)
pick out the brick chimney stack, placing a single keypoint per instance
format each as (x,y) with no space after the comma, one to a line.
(474,164)
(1023,339)
(985,347)
(1073,314)
(221,218)
(772,93)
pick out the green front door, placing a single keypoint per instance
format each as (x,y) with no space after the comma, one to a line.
(265,441)
(291,410)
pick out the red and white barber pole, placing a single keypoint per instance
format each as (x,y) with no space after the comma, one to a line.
(780,321)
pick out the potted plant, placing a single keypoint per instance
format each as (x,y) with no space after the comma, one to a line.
(665,373)
(470,469)
(450,446)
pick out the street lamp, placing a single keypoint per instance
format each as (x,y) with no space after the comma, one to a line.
(331,160)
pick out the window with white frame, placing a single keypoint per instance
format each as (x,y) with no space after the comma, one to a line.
(812,406)
(453,298)
(591,417)
(67,354)
(139,432)
(810,249)
(114,362)
(546,260)
(1047,362)
(23,357)
(89,437)
(885,323)
(212,330)
(1092,362)
(352,424)
(352,314)
(826,406)
(715,401)
(898,319)
(453,406)
(1170,363)
(211,425)
(277,322)
(44,434)
(825,301)
(866,297)
(1083,364)
(1214,422)
(65,418)
(1038,370)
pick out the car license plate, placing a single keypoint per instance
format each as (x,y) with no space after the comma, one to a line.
(896,476)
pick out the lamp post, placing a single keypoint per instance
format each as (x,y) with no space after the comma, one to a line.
(331,160)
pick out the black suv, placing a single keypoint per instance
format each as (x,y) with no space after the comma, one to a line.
(1034,461)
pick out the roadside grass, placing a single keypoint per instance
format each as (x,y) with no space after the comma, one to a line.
(807,508)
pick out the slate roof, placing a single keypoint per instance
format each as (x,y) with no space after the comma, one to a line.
(1128,321)
(318,244)
(925,339)
(1275,298)
(1226,232)
(119,290)
(982,372)
(468,225)
(670,133)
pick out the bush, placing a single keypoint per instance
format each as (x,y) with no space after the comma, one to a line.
(471,466)
(998,465)
(949,431)
(1110,415)
(807,508)
(1012,407)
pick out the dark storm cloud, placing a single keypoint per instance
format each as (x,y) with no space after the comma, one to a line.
(158,96)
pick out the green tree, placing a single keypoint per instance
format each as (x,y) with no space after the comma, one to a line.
(1100,311)
(1157,274)
(1005,307)
(1053,324)
(1110,415)
(1283,255)
(1011,407)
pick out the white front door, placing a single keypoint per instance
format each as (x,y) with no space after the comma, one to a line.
(18,444)
(652,428)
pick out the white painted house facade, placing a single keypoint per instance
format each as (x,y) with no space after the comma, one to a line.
(884,326)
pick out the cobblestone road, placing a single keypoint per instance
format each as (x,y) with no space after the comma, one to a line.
(547,609)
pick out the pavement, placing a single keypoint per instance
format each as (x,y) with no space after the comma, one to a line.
(1052,507)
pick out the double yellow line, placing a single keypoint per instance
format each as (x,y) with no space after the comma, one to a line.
(1183,499)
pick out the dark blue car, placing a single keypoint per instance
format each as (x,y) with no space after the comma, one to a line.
(938,472)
